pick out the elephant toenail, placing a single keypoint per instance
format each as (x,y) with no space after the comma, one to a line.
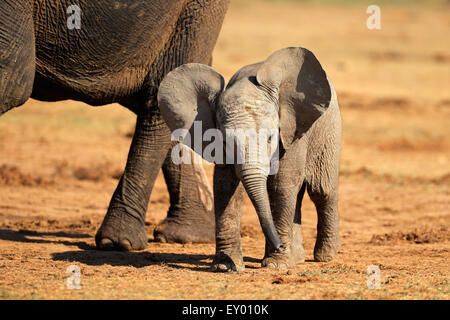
(106,244)
(125,245)
(160,238)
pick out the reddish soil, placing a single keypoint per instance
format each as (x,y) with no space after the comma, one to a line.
(59,164)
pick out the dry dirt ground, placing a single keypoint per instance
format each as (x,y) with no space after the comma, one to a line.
(59,164)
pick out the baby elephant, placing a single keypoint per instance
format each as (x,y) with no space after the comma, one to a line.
(290,103)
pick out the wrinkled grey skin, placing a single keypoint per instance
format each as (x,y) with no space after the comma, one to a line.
(289,91)
(121,53)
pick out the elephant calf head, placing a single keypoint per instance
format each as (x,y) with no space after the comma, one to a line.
(278,99)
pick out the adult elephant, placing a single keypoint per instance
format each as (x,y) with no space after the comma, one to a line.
(117,51)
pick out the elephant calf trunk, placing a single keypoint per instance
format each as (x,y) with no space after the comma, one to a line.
(255,185)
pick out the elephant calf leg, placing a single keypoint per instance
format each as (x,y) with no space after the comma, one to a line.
(285,206)
(191,214)
(328,240)
(298,252)
(228,201)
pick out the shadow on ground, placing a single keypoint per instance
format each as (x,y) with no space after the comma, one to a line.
(89,255)
(26,236)
(134,259)
(193,262)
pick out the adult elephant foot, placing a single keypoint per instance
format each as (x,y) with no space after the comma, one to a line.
(191,214)
(121,231)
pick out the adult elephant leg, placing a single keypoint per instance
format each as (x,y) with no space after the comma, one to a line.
(123,226)
(191,214)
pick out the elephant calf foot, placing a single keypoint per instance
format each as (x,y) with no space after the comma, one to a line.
(121,231)
(326,249)
(181,227)
(286,259)
(278,261)
(228,262)
(298,255)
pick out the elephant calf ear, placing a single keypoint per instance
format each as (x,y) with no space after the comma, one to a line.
(297,79)
(188,94)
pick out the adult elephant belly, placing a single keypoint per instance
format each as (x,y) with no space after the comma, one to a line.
(100,51)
